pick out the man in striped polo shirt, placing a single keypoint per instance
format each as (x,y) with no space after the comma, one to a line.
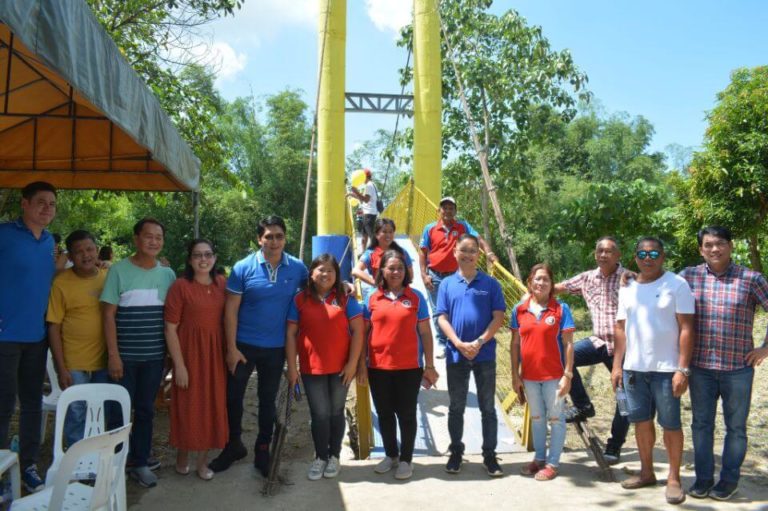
(133,300)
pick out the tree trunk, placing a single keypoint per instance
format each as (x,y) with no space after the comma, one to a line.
(486,216)
(482,156)
(754,253)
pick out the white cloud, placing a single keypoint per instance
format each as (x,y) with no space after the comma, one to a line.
(260,20)
(390,15)
(226,61)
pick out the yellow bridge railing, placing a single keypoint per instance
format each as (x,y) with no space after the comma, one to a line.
(411,211)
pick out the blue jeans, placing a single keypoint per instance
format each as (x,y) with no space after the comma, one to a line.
(585,354)
(74,423)
(649,394)
(142,381)
(544,407)
(735,388)
(268,363)
(326,395)
(458,388)
(436,280)
(22,369)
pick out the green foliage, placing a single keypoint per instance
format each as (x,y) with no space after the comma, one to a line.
(729,178)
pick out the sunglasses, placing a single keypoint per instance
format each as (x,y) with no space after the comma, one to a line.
(642,254)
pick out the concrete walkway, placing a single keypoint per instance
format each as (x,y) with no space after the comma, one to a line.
(359,488)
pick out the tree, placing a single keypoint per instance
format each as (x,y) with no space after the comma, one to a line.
(505,67)
(729,178)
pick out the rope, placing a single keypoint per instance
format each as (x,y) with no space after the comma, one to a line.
(397,123)
(305,214)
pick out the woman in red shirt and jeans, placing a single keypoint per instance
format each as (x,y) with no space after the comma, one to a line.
(325,330)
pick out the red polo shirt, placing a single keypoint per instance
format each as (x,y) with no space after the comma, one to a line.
(394,342)
(438,241)
(541,345)
(323,339)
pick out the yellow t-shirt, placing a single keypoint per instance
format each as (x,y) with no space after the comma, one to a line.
(74,303)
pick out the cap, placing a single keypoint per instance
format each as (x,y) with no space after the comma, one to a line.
(448,199)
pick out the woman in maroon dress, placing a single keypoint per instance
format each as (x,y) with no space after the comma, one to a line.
(194,332)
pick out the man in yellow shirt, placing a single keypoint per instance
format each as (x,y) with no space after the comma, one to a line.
(74,325)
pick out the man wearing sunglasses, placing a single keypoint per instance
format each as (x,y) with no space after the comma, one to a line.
(723,358)
(259,292)
(654,338)
(600,289)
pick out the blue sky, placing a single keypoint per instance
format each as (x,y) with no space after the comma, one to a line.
(665,60)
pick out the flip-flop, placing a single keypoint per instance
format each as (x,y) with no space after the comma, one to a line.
(205,476)
(674,494)
(182,471)
(635,482)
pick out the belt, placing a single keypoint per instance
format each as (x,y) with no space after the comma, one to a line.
(442,274)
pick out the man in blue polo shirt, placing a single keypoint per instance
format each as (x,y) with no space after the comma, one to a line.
(470,310)
(259,293)
(436,258)
(26,273)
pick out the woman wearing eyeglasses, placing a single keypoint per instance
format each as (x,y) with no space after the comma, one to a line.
(542,367)
(194,333)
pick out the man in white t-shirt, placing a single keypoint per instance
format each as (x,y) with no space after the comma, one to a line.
(654,338)
(368,198)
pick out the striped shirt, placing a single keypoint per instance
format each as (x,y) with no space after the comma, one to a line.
(140,297)
(601,294)
(725,313)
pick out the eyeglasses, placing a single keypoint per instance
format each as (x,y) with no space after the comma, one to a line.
(653,254)
(202,255)
(274,237)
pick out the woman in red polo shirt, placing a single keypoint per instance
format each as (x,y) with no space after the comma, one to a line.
(383,239)
(399,357)
(542,342)
(325,329)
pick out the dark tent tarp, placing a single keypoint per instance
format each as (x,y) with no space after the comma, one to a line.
(74,113)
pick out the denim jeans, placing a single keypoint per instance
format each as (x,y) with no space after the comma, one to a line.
(735,389)
(545,406)
(268,363)
(326,395)
(74,423)
(436,280)
(585,354)
(142,381)
(649,394)
(395,394)
(22,371)
(458,388)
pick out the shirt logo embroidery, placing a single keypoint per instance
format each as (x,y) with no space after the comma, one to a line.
(454,233)
(406,303)
(550,320)
(335,303)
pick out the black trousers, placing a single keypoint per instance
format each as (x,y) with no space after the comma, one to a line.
(394,395)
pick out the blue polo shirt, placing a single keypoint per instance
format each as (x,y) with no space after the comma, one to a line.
(266,297)
(469,307)
(26,273)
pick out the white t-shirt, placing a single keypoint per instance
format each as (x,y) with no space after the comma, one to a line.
(650,310)
(369,208)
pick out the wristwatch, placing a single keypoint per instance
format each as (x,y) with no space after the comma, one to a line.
(686,371)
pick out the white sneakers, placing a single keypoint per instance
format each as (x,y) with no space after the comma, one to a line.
(332,468)
(404,469)
(386,465)
(316,469)
(321,468)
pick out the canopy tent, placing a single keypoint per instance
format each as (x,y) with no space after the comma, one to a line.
(74,113)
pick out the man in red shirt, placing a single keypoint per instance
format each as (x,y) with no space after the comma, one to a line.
(436,257)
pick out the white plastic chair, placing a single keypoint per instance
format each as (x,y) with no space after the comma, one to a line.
(50,400)
(95,396)
(103,496)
